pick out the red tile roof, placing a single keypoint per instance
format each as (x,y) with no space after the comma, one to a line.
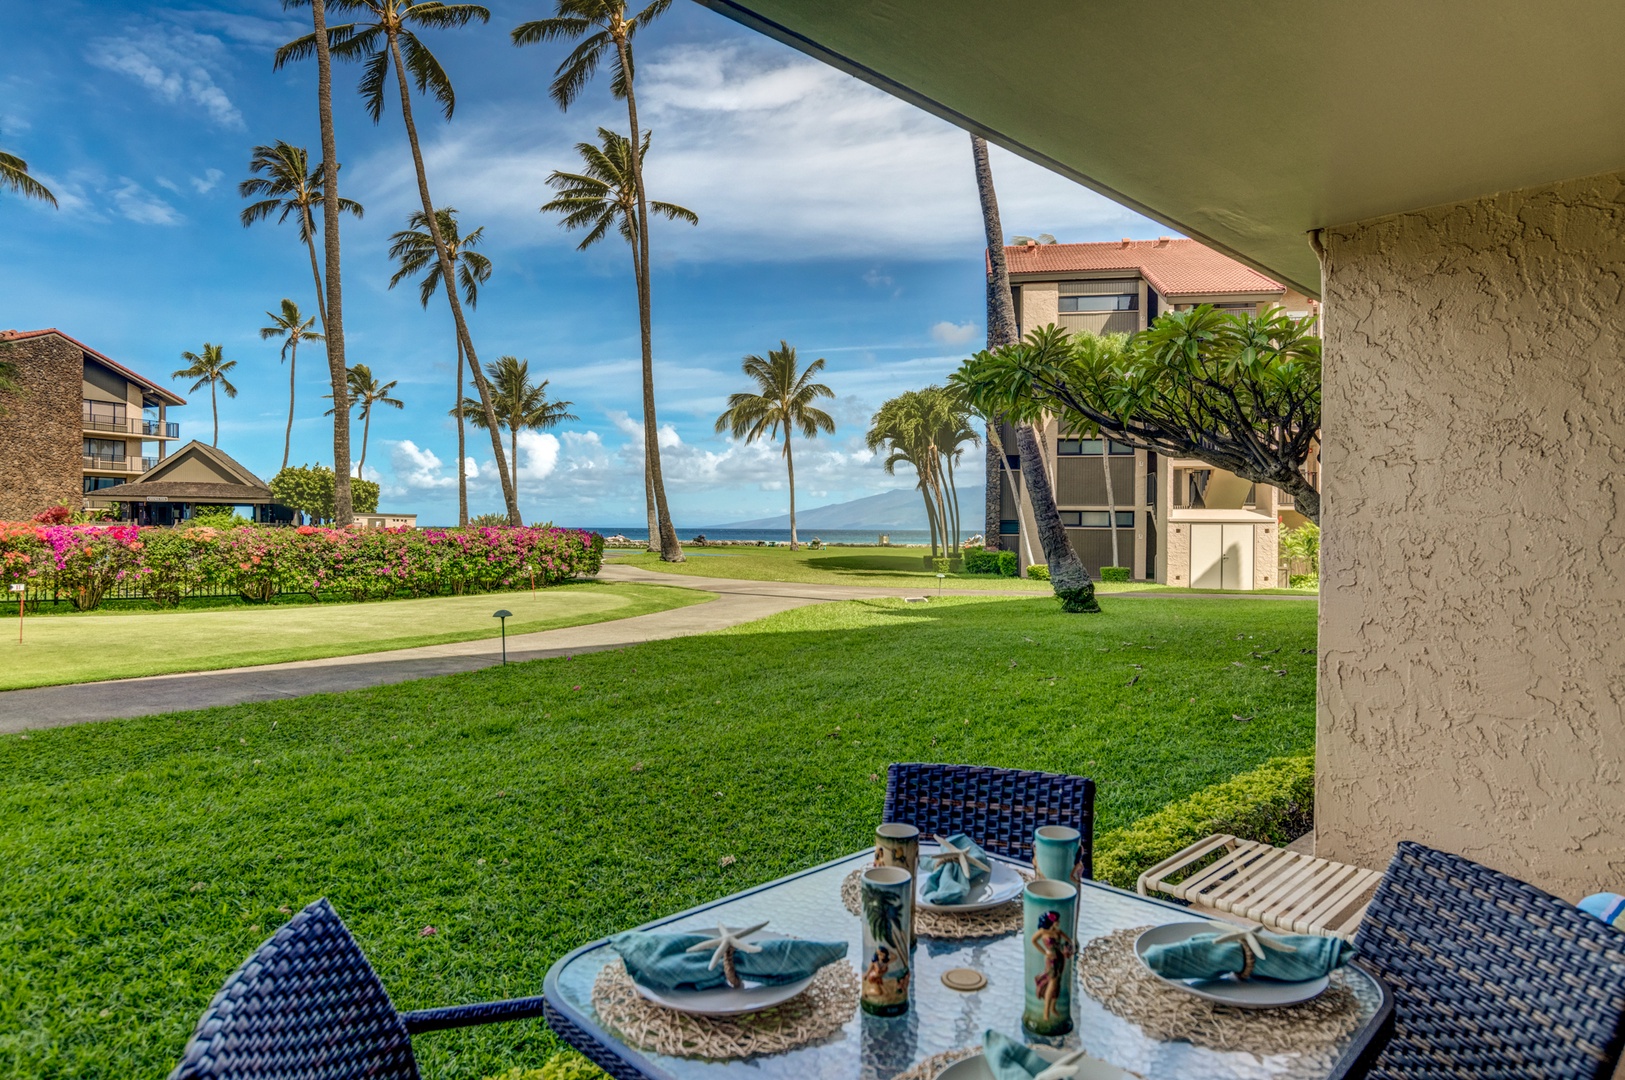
(142,381)
(1172,267)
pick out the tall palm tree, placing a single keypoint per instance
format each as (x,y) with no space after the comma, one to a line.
(286,185)
(520,405)
(333,314)
(1066,573)
(413,250)
(365,391)
(784,400)
(603,29)
(950,431)
(605,194)
(903,428)
(14,175)
(209,369)
(292,327)
(387,42)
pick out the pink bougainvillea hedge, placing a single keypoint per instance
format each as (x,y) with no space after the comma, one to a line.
(84,563)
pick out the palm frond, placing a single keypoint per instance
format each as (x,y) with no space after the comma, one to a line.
(427,73)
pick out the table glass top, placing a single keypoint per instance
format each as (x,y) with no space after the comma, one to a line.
(875,1048)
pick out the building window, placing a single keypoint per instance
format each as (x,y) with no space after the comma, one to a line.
(1076,305)
(1238,309)
(1096,519)
(1089,448)
(102,415)
(106,449)
(96,483)
(1009,527)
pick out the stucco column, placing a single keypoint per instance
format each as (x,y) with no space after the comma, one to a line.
(1472,631)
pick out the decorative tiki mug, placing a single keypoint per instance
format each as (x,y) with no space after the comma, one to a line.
(1049,919)
(899,846)
(1055,852)
(888,912)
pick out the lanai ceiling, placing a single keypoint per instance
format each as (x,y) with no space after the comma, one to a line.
(1248,124)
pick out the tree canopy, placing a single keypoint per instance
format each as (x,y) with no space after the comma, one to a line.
(309,490)
(1240,392)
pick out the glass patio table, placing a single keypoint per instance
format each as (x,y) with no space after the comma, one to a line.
(808,904)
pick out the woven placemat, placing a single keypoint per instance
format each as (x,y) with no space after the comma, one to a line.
(1110,973)
(991,922)
(817,1013)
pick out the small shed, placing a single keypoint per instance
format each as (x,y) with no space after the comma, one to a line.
(196,475)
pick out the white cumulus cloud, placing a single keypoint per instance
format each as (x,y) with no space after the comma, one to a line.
(949,333)
(174,64)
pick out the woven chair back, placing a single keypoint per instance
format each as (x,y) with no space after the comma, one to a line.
(998,808)
(305,1006)
(1491,976)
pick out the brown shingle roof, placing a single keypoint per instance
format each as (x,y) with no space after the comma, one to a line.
(142,381)
(1172,267)
(186,491)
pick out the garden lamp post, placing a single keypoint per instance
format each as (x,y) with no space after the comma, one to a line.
(503,614)
(21,590)
(939,585)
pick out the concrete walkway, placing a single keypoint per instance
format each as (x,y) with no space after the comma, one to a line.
(737,602)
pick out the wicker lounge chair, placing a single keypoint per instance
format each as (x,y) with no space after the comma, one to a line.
(307,1006)
(1280,889)
(1491,977)
(998,808)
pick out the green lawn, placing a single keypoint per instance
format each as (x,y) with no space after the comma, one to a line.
(877,566)
(122,645)
(522,811)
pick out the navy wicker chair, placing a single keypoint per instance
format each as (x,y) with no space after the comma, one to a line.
(998,808)
(1492,978)
(307,1006)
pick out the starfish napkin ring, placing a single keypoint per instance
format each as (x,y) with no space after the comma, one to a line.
(1252,946)
(728,941)
(962,856)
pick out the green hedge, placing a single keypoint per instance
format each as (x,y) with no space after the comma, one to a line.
(1115,573)
(1038,572)
(564,1065)
(1274,804)
(991,562)
(1009,565)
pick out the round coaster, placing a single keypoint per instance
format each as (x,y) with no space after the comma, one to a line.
(963,979)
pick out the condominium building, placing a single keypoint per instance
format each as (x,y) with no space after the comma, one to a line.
(1177,521)
(79,422)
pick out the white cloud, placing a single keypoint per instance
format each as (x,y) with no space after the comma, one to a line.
(207,182)
(141,206)
(780,156)
(417,469)
(949,333)
(168,185)
(175,64)
(538,455)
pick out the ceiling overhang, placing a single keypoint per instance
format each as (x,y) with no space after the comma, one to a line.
(1247,126)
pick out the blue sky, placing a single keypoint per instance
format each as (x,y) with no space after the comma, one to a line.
(831,216)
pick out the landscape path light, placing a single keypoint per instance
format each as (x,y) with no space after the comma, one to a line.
(21,590)
(504,614)
(939,585)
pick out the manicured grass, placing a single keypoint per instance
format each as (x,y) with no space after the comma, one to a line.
(523,811)
(877,566)
(127,644)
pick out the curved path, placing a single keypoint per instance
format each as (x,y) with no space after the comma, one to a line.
(737,602)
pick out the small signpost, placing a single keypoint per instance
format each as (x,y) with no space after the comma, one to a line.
(532,569)
(939,585)
(22,596)
(504,614)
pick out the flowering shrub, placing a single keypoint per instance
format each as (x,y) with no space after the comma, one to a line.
(85,561)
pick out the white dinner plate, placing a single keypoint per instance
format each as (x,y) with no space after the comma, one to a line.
(1000,886)
(1242,993)
(725,1000)
(975,1068)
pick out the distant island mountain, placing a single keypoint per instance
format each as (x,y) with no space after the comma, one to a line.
(901,509)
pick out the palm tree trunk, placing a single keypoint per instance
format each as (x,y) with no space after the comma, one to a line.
(214,407)
(930,515)
(333,316)
(1001,325)
(992,494)
(790,465)
(670,549)
(953,498)
(366,429)
(315,271)
(936,492)
(293,359)
(448,277)
(1066,573)
(462,450)
(514,464)
(652,544)
(1111,496)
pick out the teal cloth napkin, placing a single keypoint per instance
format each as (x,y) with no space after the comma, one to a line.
(1210,956)
(663,962)
(1008,1059)
(947,884)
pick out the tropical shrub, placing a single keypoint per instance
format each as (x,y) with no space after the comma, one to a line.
(214,517)
(488,521)
(1038,572)
(309,490)
(1273,804)
(941,565)
(1303,543)
(1115,573)
(1009,565)
(85,561)
(564,1065)
(1306,582)
(978,561)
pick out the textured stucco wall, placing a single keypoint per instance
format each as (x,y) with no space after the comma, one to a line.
(1266,556)
(41,448)
(1177,561)
(1472,640)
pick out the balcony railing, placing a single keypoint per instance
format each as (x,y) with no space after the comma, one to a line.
(123,465)
(151,429)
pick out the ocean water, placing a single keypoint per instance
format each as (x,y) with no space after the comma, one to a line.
(828,536)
